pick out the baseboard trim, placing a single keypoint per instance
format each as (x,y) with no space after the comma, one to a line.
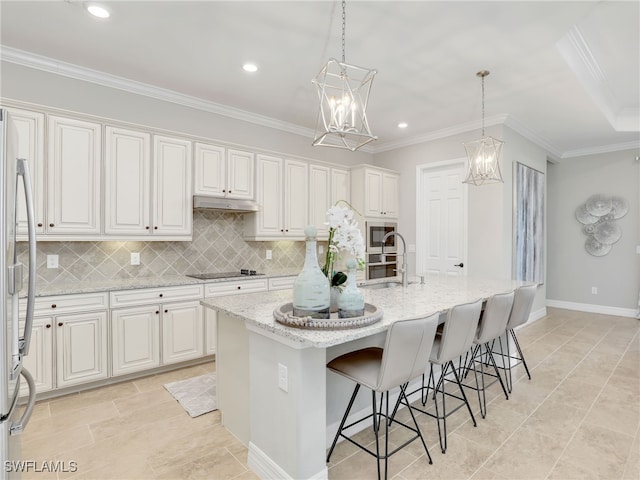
(588,307)
(265,468)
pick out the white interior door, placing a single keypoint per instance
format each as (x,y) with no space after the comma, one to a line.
(442,219)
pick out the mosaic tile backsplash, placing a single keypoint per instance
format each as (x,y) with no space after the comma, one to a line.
(217,246)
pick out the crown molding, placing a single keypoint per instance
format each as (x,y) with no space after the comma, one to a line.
(617,147)
(46,64)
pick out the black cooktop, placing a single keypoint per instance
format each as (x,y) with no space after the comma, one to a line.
(210,276)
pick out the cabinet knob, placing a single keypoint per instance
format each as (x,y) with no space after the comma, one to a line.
(147,227)
(161,295)
(155,228)
(51,225)
(282,230)
(239,287)
(53,305)
(60,324)
(157,312)
(230,191)
(40,224)
(166,311)
(48,325)
(223,190)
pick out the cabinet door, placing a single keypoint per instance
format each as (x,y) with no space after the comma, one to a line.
(135,338)
(319,198)
(240,174)
(269,218)
(373,194)
(390,194)
(127,181)
(29,127)
(172,202)
(39,362)
(210,173)
(211,331)
(340,185)
(81,348)
(182,332)
(73,176)
(296,198)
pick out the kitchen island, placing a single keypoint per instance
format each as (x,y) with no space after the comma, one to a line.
(273,388)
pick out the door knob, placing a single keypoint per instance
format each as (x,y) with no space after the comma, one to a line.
(459,265)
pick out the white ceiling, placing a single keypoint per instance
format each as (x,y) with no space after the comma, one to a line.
(565,74)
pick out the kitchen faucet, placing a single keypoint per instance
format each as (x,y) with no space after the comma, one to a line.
(403,269)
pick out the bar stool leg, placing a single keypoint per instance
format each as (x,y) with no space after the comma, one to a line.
(344,419)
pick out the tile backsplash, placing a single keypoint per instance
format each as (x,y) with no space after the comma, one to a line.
(217,246)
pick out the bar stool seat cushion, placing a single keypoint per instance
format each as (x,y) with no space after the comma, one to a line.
(361,366)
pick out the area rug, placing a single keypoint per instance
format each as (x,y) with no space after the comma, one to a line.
(197,395)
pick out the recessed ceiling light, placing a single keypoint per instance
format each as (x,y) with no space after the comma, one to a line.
(98,11)
(250,67)
(403,125)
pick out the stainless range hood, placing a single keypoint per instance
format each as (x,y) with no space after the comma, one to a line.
(229,204)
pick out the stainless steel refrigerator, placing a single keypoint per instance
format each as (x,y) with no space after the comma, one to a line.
(15,333)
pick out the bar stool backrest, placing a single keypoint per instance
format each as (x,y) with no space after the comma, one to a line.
(406,351)
(459,331)
(495,317)
(522,303)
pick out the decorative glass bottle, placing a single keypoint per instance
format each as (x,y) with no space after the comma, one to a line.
(351,301)
(311,287)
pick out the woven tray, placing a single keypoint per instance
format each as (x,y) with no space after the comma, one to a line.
(284,315)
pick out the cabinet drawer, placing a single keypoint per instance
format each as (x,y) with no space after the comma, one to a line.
(232,288)
(143,296)
(281,283)
(82,302)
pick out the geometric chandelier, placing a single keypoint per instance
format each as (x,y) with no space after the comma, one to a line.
(484,154)
(343,91)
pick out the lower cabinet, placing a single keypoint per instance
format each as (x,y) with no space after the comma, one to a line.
(69,341)
(147,333)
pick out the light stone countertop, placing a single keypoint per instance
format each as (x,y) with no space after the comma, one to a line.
(104,285)
(439,293)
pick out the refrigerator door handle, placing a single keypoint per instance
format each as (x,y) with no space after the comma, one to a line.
(18,427)
(25,340)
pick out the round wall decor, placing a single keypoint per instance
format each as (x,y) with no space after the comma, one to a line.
(598,217)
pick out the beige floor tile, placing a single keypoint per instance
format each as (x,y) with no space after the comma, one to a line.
(614,409)
(219,465)
(575,393)
(632,468)
(555,419)
(48,446)
(91,397)
(362,466)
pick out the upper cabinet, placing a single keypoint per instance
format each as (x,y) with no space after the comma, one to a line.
(283,196)
(374,192)
(340,185)
(223,172)
(29,128)
(73,177)
(147,196)
(172,204)
(319,198)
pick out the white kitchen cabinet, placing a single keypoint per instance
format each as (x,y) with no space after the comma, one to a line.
(135,339)
(340,185)
(319,198)
(69,340)
(282,193)
(281,283)
(222,172)
(374,192)
(182,332)
(172,203)
(73,177)
(211,331)
(29,128)
(81,348)
(127,182)
(155,326)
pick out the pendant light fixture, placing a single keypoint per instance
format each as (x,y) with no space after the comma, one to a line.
(343,91)
(484,154)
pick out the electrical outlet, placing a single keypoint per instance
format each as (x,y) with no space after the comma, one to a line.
(269,255)
(52,261)
(283,377)
(135,258)
(594,290)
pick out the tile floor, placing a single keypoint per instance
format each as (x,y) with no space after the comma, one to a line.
(578,418)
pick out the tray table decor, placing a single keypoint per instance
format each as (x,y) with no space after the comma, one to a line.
(284,315)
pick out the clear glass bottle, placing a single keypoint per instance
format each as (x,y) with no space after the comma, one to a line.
(311,287)
(351,301)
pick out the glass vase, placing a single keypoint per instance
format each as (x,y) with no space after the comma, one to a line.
(351,301)
(311,287)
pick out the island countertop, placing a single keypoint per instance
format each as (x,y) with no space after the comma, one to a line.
(437,294)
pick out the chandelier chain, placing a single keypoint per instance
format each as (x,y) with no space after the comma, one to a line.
(482,105)
(344,26)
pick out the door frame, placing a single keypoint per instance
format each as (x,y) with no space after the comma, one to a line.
(421,225)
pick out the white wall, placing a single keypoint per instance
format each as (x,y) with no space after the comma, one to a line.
(490,207)
(38,87)
(571,270)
